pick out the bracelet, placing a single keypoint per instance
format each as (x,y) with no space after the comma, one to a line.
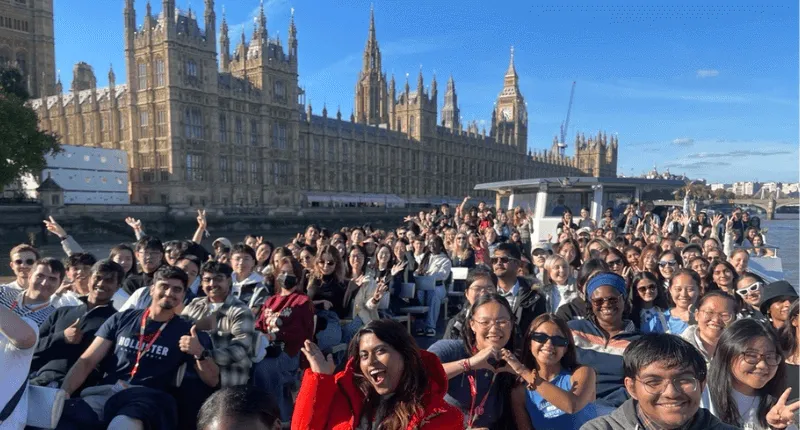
(465,365)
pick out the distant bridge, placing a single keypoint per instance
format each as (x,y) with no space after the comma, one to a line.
(760,203)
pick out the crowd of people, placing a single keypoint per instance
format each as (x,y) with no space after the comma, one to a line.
(620,323)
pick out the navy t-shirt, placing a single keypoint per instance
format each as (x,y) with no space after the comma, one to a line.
(157,368)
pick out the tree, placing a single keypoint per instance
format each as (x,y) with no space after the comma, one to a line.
(23,146)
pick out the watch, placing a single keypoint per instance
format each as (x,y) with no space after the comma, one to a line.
(203,355)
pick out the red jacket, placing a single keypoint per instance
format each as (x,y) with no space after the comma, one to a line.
(333,402)
(297,318)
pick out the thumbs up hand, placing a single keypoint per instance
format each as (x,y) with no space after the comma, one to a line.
(73,334)
(191,344)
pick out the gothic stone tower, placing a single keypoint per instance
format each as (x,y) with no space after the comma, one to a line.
(415,112)
(510,116)
(597,156)
(450,112)
(27,42)
(372,100)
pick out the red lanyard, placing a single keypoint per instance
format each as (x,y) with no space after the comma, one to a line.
(140,352)
(475,413)
(26,311)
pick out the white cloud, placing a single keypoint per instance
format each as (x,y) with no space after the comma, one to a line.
(707,73)
(683,141)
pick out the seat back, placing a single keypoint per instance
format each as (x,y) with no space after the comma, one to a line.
(459,273)
(425,283)
(407,290)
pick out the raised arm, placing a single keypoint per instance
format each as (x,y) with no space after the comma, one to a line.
(202,224)
(87,362)
(136,225)
(68,244)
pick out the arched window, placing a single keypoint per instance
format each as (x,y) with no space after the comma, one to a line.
(160,79)
(191,69)
(142,75)
(5,56)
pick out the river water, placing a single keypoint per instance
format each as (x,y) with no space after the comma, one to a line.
(783,233)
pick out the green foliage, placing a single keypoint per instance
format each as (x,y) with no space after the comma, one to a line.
(23,146)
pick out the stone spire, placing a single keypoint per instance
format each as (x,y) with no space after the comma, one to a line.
(292,38)
(112,78)
(224,44)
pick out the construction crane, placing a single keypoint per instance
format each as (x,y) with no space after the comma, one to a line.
(562,143)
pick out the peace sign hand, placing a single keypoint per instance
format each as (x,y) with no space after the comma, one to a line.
(201,219)
(729,224)
(781,415)
(316,361)
(53,227)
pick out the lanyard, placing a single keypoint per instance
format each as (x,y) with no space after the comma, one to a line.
(26,311)
(140,352)
(476,412)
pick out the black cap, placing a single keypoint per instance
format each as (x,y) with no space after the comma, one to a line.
(776,290)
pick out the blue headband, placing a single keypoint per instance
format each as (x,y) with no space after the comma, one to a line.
(611,279)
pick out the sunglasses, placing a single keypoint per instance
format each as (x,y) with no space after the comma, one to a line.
(645,288)
(542,338)
(751,289)
(503,260)
(326,263)
(27,261)
(671,263)
(611,301)
(613,263)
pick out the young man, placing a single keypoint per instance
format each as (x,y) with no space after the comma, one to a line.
(242,407)
(76,284)
(141,353)
(248,286)
(17,341)
(70,330)
(22,258)
(526,303)
(150,256)
(34,301)
(233,326)
(665,376)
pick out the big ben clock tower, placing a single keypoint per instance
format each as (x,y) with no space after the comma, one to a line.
(510,116)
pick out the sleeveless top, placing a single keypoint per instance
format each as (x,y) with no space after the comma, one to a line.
(544,415)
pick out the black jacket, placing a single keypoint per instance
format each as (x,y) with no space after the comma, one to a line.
(54,356)
(136,281)
(455,327)
(529,305)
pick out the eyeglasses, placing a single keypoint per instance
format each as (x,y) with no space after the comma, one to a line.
(503,260)
(645,288)
(726,317)
(671,263)
(611,301)
(753,357)
(326,263)
(483,288)
(685,384)
(751,289)
(542,338)
(27,262)
(500,323)
(612,263)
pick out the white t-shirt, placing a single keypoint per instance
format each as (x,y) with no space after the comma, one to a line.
(748,410)
(16,364)
(69,298)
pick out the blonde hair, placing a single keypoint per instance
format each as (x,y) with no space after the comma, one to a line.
(550,263)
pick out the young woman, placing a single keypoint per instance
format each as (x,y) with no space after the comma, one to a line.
(746,377)
(326,288)
(777,299)
(632,254)
(700,266)
(566,223)
(715,311)
(617,263)
(684,288)
(388,383)
(758,250)
(602,337)
(360,293)
(436,264)
(263,257)
(571,251)
(479,384)
(722,276)
(480,280)
(739,259)
(749,287)
(576,309)
(556,391)
(123,255)
(648,303)
(586,219)
(559,286)
(461,253)
(648,261)
(790,334)
(668,263)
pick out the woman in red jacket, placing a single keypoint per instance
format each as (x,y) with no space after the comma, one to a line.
(388,381)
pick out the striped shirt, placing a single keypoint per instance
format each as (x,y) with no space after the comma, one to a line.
(605,357)
(11,298)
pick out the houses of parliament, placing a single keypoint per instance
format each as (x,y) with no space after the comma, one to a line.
(231,126)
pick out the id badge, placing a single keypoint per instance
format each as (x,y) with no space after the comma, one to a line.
(119,386)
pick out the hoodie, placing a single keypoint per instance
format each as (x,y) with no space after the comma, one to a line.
(625,418)
(333,402)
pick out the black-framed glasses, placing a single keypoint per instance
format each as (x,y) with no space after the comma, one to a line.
(753,357)
(645,288)
(724,316)
(752,288)
(542,338)
(614,263)
(503,260)
(671,263)
(684,384)
(610,301)
(27,261)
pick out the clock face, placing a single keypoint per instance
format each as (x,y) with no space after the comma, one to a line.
(506,114)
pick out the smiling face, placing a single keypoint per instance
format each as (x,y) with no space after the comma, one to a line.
(125,259)
(216,286)
(650,260)
(190,268)
(306,259)
(700,267)
(753,286)
(723,277)
(560,272)
(168,293)
(547,354)
(43,283)
(779,310)
(80,274)
(103,286)
(356,259)
(713,316)
(568,251)
(607,305)
(491,324)
(673,407)
(739,262)
(311,235)
(482,285)
(262,252)
(22,265)
(383,256)
(683,291)
(242,264)
(667,266)
(380,364)
(633,257)
(748,377)
(647,290)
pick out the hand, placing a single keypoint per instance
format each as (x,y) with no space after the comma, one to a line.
(729,224)
(781,415)
(360,281)
(327,305)
(716,219)
(397,268)
(626,272)
(316,361)
(134,223)
(202,222)
(481,359)
(73,335)
(380,291)
(259,241)
(514,365)
(549,237)
(191,344)
(55,228)
(66,285)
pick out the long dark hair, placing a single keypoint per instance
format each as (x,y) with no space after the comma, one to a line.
(731,345)
(468,336)
(788,332)
(315,280)
(407,399)
(710,277)
(635,300)
(569,361)
(576,262)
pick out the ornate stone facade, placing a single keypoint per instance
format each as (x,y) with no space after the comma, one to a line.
(26,40)
(231,127)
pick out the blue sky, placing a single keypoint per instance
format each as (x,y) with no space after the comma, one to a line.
(709,89)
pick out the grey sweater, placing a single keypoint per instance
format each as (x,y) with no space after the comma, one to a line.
(624,418)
